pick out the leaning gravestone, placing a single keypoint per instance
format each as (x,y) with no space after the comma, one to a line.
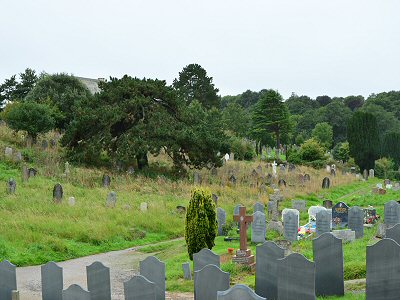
(267,256)
(154,270)
(356,221)
(208,281)
(258,207)
(328,259)
(326,183)
(58,193)
(139,288)
(290,270)
(393,233)
(52,281)
(239,292)
(106,180)
(11,186)
(340,214)
(8,279)
(75,292)
(221,216)
(111,199)
(300,205)
(383,270)
(187,273)
(290,225)
(392,213)
(323,222)
(205,257)
(258,227)
(98,281)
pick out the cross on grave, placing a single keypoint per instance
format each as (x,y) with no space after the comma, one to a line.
(243,255)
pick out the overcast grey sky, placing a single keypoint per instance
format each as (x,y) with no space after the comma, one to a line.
(312,47)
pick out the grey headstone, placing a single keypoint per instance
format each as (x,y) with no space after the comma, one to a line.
(371,173)
(139,288)
(290,226)
(52,281)
(327,203)
(75,292)
(232,179)
(8,279)
(365,174)
(208,281)
(333,172)
(45,144)
(187,273)
(154,270)
(239,292)
(111,199)
(259,169)
(267,256)
(11,186)
(8,152)
(392,213)
(258,207)
(258,227)
(196,178)
(326,183)
(32,172)
(300,205)
(307,177)
(323,222)
(71,201)
(221,216)
(25,173)
(394,233)
(98,281)
(346,235)
(292,167)
(205,257)
(328,259)
(383,270)
(58,193)
(275,226)
(290,270)
(106,181)
(18,156)
(356,221)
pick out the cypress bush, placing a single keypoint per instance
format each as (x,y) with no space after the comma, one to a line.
(391,147)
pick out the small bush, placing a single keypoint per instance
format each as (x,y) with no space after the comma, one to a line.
(242,149)
(341,152)
(383,167)
(311,150)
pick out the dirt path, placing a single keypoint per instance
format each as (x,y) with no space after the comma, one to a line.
(123,264)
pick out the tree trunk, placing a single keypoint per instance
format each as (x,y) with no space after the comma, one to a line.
(142,160)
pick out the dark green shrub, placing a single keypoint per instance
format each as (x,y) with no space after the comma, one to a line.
(311,150)
(383,167)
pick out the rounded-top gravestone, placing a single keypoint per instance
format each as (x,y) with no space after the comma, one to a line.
(326,183)
(106,181)
(11,186)
(58,193)
(111,199)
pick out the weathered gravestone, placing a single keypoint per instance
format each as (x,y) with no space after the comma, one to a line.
(205,257)
(282,168)
(290,269)
(356,221)
(259,169)
(282,182)
(312,212)
(258,207)
(32,172)
(45,144)
(221,217)
(139,288)
(11,186)
(365,174)
(371,173)
(154,270)
(196,178)
(290,225)
(131,171)
(326,183)
(258,227)
(75,292)
(232,179)
(71,201)
(214,171)
(292,167)
(340,214)
(187,273)
(300,205)
(8,152)
(25,173)
(328,259)
(106,181)
(323,222)
(327,203)
(52,143)
(392,213)
(52,281)
(111,199)
(58,193)
(208,281)
(8,279)
(239,292)
(143,207)
(307,177)
(346,235)
(394,233)
(267,256)
(98,281)
(383,270)
(18,156)
(333,172)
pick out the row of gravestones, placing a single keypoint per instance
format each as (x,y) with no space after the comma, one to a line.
(26,174)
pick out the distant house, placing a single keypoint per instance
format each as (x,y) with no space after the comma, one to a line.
(91,84)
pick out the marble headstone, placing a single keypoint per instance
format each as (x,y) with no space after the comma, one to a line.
(208,281)
(205,257)
(154,270)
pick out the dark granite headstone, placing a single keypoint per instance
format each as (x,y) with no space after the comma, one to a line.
(323,222)
(290,226)
(208,281)
(58,193)
(392,213)
(239,292)
(267,256)
(52,281)
(187,273)
(11,186)
(139,288)
(394,233)
(326,183)
(205,257)
(75,292)
(221,217)
(356,221)
(154,270)
(98,281)
(340,213)
(328,259)
(8,279)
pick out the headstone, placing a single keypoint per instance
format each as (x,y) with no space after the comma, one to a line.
(45,144)
(333,172)
(154,270)
(274,169)
(205,257)
(353,170)
(143,206)
(267,256)
(187,273)
(346,235)
(232,156)
(98,281)
(111,199)
(18,156)
(71,201)
(327,203)
(58,193)
(52,281)
(25,173)
(296,278)
(300,205)
(52,143)
(275,226)
(196,178)
(307,177)
(386,182)
(383,270)
(393,233)
(11,186)
(356,221)
(323,222)
(328,169)
(67,170)
(131,171)
(259,169)
(221,217)
(258,227)
(326,183)
(290,225)
(328,259)
(232,179)
(139,288)
(32,172)
(106,181)
(262,188)
(8,279)
(208,281)
(392,213)
(75,292)
(226,157)
(215,199)
(282,168)
(340,213)
(258,207)
(180,209)
(8,152)
(371,173)
(214,171)
(239,292)
(312,213)
(282,182)
(292,167)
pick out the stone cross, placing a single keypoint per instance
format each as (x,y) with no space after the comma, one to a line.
(243,221)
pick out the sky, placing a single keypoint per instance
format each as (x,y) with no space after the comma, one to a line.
(308,47)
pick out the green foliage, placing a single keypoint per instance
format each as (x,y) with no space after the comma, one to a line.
(391,147)
(236,119)
(323,133)
(32,117)
(242,149)
(298,105)
(341,152)
(354,102)
(201,222)
(311,150)
(363,139)
(383,167)
(323,100)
